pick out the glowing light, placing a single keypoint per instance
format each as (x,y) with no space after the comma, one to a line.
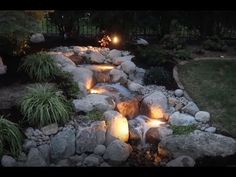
(155,123)
(102,67)
(156,112)
(89,84)
(115,40)
(98,90)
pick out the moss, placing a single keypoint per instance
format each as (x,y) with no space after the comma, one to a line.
(95,115)
(179,130)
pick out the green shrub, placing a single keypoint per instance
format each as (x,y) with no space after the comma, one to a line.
(11,137)
(178,130)
(40,67)
(158,76)
(95,115)
(65,83)
(172,42)
(183,54)
(153,56)
(214,43)
(43,105)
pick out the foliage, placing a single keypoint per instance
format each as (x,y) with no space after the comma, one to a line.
(214,43)
(179,130)
(95,115)
(1,148)
(183,54)
(65,83)
(40,67)
(153,55)
(15,29)
(171,41)
(158,76)
(43,105)
(11,137)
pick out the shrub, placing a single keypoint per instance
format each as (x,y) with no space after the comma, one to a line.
(153,56)
(40,67)
(172,42)
(183,54)
(214,43)
(43,106)
(11,137)
(183,129)
(158,76)
(95,115)
(65,83)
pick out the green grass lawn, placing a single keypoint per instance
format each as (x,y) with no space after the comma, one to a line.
(212,85)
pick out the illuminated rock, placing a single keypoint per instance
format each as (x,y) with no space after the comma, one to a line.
(96,57)
(102,77)
(119,60)
(116,75)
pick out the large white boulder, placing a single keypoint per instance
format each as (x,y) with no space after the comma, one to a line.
(119,60)
(181,119)
(97,57)
(128,67)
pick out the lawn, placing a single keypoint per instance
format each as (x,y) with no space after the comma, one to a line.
(212,85)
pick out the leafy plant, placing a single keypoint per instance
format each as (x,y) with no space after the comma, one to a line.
(43,105)
(65,83)
(183,54)
(95,115)
(158,76)
(183,129)
(171,41)
(214,43)
(40,67)
(11,137)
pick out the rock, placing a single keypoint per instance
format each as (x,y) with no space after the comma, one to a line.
(182,161)
(120,60)
(84,76)
(76,158)
(135,130)
(63,163)
(96,57)
(76,58)
(191,108)
(114,53)
(37,38)
(62,60)
(154,105)
(198,144)
(135,87)
(178,106)
(118,151)
(128,67)
(50,129)
(99,149)
(117,127)
(91,161)
(129,108)
(45,152)
(210,129)
(164,132)
(102,77)
(8,161)
(22,157)
(35,159)
(153,136)
(99,128)
(181,119)
(28,144)
(172,101)
(3,68)
(116,75)
(202,116)
(141,41)
(104,164)
(94,101)
(179,92)
(62,144)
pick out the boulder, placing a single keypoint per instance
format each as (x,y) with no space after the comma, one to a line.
(61,59)
(28,144)
(210,129)
(50,129)
(181,161)
(202,116)
(198,144)
(154,105)
(8,161)
(190,108)
(63,163)
(114,53)
(153,136)
(35,159)
(181,119)
(128,67)
(129,108)
(172,101)
(102,77)
(63,144)
(117,127)
(179,92)
(141,41)
(116,75)
(37,38)
(134,87)
(120,60)
(118,151)
(91,161)
(100,149)
(45,152)
(94,101)
(96,57)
